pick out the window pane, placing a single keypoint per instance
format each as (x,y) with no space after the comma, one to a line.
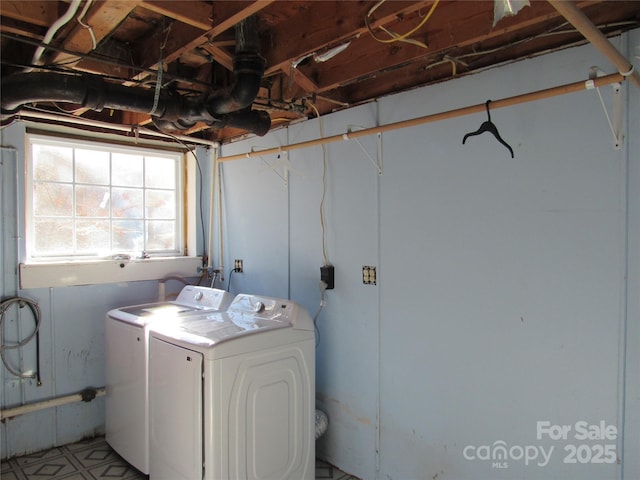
(126,203)
(92,166)
(52,163)
(53,236)
(92,236)
(128,235)
(126,170)
(161,235)
(160,204)
(92,201)
(100,200)
(52,199)
(160,172)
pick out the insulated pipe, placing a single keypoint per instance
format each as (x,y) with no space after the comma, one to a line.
(581,22)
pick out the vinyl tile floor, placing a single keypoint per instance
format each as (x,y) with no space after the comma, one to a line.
(95,460)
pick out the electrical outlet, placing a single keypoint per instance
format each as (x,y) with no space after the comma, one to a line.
(238,266)
(369,275)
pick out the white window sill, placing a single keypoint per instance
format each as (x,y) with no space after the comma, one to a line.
(66,274)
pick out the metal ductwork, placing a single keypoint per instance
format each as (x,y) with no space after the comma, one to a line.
(170,110)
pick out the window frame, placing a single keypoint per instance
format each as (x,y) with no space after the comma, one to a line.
(181,204)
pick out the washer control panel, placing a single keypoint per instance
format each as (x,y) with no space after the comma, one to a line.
(204,297)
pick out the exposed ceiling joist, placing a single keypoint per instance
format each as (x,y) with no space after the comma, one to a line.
(96,25)
(194,42)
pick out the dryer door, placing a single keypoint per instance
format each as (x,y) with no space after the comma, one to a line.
(175,402)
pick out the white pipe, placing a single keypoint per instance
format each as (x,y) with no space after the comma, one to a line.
(53,29)
(54,402)
(220,236)
(213,158)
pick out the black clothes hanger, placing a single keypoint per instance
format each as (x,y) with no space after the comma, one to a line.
(488,126)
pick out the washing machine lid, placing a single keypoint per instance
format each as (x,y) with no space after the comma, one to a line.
(163,309)
(247,315)
(192,299)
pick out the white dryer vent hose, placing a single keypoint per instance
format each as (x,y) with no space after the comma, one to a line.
(322,422)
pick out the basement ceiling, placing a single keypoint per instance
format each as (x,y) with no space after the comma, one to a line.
(332,54)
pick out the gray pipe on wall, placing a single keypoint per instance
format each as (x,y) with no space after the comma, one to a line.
(86,395)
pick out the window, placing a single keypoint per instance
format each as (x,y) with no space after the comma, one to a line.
(94,200)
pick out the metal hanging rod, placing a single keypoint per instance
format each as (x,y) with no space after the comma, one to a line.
(436,117)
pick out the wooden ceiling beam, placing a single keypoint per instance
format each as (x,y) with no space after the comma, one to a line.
(225,16)
(423,73)
(305,82)
(103,18)
(195,13)
(23,29)
(220,55)
(42,13)
(328,24)
(134,118)
(183,38)
(366,56)
(338,22)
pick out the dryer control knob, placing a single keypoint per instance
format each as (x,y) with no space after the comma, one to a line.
(259,307)
(198,296)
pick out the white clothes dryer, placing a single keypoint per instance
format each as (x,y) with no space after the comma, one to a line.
(232,394)
(127,367)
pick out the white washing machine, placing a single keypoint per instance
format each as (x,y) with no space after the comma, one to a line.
(232,394)
(127,371)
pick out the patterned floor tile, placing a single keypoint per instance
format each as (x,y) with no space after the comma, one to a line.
(5,466)
(325,470)
(86,443)
(50,468)
(96,455)
(93,459)
(11,475)
(38,457)
(116,470)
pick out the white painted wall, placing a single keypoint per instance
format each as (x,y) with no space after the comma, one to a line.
(631,411)
(71,332)
(502,299)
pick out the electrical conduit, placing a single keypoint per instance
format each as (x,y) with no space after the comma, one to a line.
(53,29)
